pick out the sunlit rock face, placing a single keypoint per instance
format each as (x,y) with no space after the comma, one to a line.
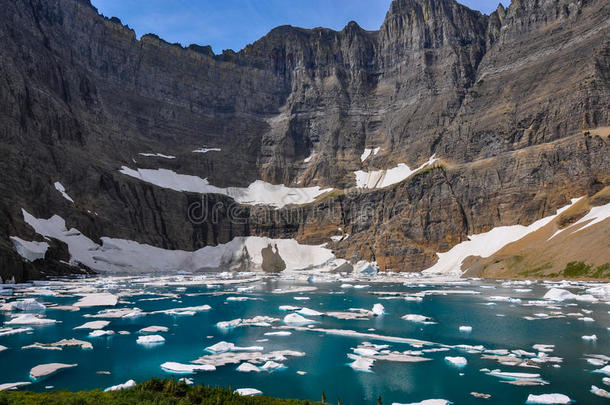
(513,107)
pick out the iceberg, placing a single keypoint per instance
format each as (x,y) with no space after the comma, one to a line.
(465,329)
(97,300)
(180,368)
(150,340)
(548,399)
(600,392)
(45,370)
(378,309)
(247,368)
(296,319)
(30,319)
(94,325)
(456,361)
(28,304)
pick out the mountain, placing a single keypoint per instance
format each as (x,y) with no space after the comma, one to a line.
(507,116)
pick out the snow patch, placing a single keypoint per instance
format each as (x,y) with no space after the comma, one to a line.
(385,178)
(486,244)
(30,251)
(259,192)
(59,187)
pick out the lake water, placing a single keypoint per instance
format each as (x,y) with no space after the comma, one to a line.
(496,324)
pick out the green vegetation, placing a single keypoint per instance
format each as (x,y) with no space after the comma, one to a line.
(535,272)
(581,269)
(155,391)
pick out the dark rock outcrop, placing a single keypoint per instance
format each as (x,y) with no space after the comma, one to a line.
(504,101)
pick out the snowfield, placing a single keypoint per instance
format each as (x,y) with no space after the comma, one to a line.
(259,192)
(119,255)
(486,244)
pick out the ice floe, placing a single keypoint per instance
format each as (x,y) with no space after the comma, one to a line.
(59,187)
(180,368)
(100,333)
(465,329)
(97,300)
(296,319)
(61,344)
(27,305)
(559,295)
(427,402)
(13,331)
(378,309)
(150,340)
(93,325)
(223,347)
(418,319)
(30,319)
(263,321)
(590,338)
(30,251)
(456,361)
(600,392)
(45,370)
(548,399)
(12,386)
(154,329)
(259,192)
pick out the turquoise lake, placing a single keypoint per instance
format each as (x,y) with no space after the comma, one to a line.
(497,323)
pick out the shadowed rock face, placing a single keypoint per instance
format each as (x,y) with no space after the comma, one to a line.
(502,100)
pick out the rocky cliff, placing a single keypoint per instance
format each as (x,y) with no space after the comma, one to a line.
(515,106)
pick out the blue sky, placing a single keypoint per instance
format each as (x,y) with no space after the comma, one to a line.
(232,24)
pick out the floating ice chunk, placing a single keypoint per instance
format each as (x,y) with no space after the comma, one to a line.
(30,251)
(45,370)
(59,187)
(13,331)
(223,347)
(346,285)
(125,385)
(12,386)
(248,392)
(180,368)
(548,399)
(30,319)
(160,155)
(586,319)
(154,329)
(281,333)
(362,363)
(513,376)
(600,392)
(289,308)
(418,319)
(100,333)
(604,370)
(590,338)
(427,402)
(596,362)
(309,312)
(150,340)
(237,299)
(28,304)
(94,325)
(559,294)
(456,361)
(247,368)
(465,329)
(606,380)
(272,366)
(97,300)
(2,348)
(378,309)
(296,319)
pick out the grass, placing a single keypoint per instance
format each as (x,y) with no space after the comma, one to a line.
(152,392)
(581,269)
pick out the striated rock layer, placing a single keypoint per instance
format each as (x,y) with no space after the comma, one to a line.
(515,106)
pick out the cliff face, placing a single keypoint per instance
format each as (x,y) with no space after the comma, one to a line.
(503,101)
